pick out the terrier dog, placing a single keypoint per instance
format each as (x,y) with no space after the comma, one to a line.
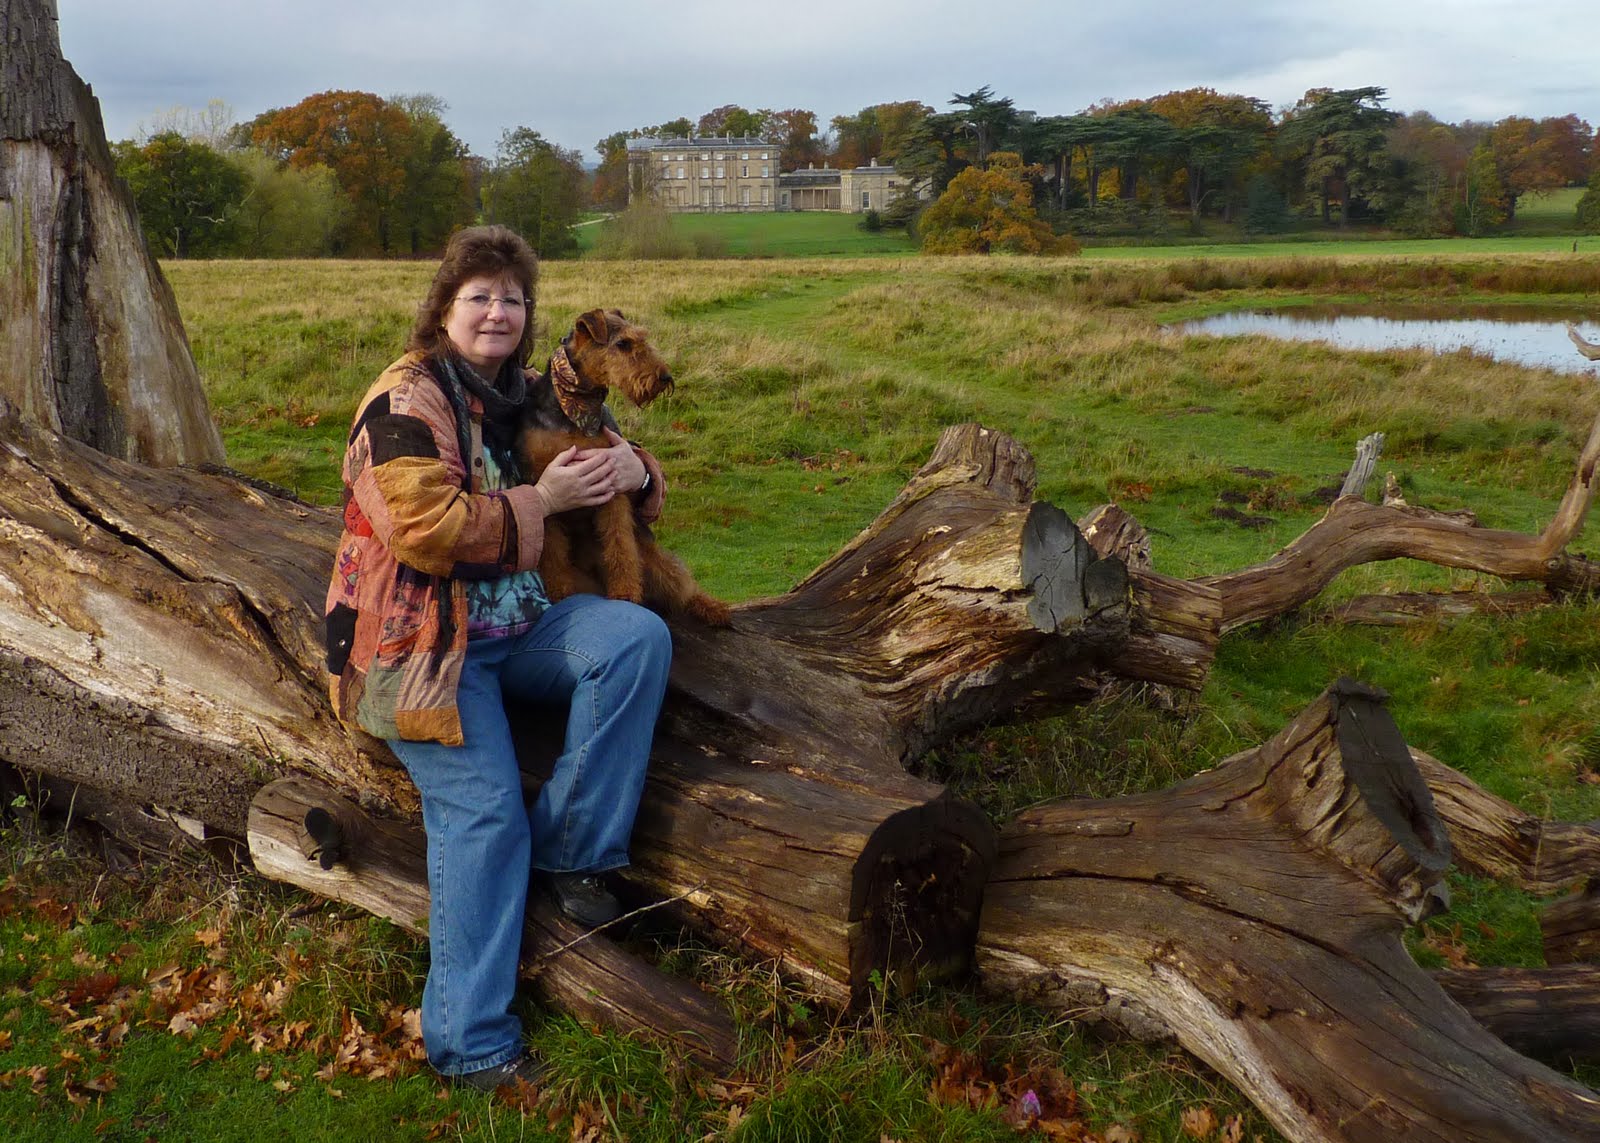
(604,550)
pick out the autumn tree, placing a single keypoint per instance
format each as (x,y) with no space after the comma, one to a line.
(1534,155)
(1430,162)
(985,209)
(1215,139)
(364,140)
(187,194)
(731,119)
(537,189)
(883,132)
(609,190)
(794,130)
(1571,145)
(1337,138)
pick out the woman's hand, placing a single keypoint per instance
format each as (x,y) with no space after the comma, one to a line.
(622,465)
(576,478)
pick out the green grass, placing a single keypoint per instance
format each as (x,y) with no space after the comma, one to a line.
(787,234)
(1542,242)
(809,390)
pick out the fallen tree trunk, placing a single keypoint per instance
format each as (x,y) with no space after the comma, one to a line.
(1404,608)
(1493,838)
(1571,927)
(1354,531)
(1254,912)
(381,867)
(174,615)
(1551,1014)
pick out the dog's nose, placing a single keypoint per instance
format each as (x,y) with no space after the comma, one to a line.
(666,380)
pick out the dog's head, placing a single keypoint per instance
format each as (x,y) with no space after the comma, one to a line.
(606,349)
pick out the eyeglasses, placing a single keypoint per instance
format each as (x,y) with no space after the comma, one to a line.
(481,303)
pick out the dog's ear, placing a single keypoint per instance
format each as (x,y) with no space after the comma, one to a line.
(592,326)
(618,315)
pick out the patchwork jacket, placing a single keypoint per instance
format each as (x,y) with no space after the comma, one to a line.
(416,521)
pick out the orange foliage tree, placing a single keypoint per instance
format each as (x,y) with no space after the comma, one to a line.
(363,139)
(794,130)
(1540,155)
(990,208)
(882,131)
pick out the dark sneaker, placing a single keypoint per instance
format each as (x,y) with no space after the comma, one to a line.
(583,898)
(525,1069)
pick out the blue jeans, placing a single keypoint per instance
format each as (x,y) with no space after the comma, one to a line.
(609,660)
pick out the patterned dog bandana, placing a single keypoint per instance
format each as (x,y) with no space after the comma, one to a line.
(579,400)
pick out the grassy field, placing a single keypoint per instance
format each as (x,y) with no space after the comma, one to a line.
(808,392)
(1544,224)
(796,234)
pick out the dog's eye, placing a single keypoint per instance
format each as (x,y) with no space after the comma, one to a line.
(625,344)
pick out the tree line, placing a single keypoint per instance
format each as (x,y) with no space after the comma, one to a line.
(355,174)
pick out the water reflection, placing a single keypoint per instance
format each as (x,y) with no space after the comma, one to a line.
(1526,335)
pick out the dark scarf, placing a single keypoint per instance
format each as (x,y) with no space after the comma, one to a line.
(502,399)
(579,400)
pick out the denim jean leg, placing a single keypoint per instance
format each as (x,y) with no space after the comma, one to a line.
(477,829)
(609,659)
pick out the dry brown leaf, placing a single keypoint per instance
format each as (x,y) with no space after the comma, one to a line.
(1198,1122)
(1233,1129)
(1117,1133)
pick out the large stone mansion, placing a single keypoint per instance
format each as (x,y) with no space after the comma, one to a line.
(720,173)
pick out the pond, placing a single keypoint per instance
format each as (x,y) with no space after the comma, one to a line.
(1526,335)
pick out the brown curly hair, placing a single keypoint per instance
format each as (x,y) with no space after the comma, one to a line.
(477,251)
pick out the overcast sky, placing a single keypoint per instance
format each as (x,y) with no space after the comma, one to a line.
(577,72)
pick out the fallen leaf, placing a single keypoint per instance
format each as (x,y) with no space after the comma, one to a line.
(1117,1133)
(1233,1129)
(1198,1122)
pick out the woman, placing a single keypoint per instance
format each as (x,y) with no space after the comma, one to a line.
(437,621)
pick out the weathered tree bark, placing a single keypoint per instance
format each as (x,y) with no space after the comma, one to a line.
(1404,608)
(1588,348)
(1355,532)
(1255,912)
(1551,1014)
(1571,927)
(382,868)
(1493,838)
(174,616)
(90,339)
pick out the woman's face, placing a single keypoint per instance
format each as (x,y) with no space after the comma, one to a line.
(485,321)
